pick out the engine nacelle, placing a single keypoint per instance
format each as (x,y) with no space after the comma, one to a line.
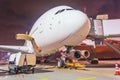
(75,54)
(79,54)
(85,54)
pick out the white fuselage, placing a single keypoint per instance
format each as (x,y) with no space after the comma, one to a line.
(60,26)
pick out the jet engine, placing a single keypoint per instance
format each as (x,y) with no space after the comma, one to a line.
(79,54)
(85,54)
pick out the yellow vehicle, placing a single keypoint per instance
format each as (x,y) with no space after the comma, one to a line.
(74,64)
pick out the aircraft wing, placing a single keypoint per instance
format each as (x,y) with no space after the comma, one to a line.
(14,49)
(23,49)
(29,38)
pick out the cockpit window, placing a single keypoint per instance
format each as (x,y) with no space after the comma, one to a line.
(59,11)
(69,9)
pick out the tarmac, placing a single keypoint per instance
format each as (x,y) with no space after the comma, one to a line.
(105,70)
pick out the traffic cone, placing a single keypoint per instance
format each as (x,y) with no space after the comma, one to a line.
(117,71)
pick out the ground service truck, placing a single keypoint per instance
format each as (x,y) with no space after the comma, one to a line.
(19,62)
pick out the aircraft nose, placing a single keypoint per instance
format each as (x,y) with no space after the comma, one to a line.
(75,20)
(79,18)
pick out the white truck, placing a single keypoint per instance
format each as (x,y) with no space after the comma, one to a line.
(20,62)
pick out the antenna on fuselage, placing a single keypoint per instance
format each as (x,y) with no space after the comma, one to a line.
(84,9)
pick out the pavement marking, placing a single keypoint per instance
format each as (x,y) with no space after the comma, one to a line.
(89,78)
(44,79)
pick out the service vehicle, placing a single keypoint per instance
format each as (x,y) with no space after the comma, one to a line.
(20,62)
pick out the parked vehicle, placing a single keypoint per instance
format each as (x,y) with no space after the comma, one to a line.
(20,62)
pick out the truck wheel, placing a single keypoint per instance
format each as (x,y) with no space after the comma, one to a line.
(60,63)
(33,70)
(9,71)
(16,70)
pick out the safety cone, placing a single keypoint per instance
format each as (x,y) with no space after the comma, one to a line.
(117,71)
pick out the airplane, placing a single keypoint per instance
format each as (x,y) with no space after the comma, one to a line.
(59,26)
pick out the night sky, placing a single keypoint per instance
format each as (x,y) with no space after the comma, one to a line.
(18,16)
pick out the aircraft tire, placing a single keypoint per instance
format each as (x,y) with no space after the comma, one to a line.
(60,63)
(94,61)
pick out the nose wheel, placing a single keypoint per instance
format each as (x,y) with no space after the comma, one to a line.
(60,63)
